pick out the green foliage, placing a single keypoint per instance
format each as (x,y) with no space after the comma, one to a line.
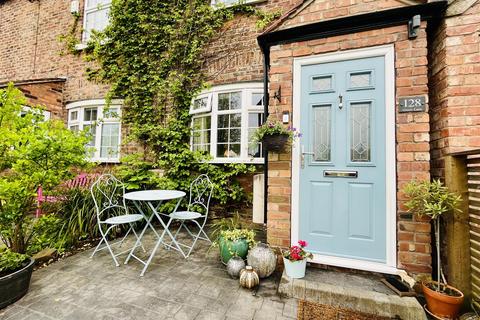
(227,224)
(152,54)
(264,18)
(430,198)
(47,234)
(237,234)
(70,39)
(136,173)
(11,261)
(33,152)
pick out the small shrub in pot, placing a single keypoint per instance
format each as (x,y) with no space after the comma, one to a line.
(434,200)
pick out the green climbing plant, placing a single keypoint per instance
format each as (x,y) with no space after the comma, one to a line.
(152,55)
(70,39)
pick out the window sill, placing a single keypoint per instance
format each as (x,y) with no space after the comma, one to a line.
(104,160)
(80,46)
(238,160)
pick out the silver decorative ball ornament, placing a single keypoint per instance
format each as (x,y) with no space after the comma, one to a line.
(262,259)
(249,278)
(234,266)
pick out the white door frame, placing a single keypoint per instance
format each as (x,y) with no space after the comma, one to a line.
(386,51)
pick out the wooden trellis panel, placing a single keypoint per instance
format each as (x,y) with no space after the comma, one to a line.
(473,171)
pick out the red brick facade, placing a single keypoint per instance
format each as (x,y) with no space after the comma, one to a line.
(455,85)
(30,50)
(30,47)
(412,130)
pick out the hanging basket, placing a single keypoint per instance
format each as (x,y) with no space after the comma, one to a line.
(275,143)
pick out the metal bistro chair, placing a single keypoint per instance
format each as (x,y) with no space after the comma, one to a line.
(200,193)
(105,192)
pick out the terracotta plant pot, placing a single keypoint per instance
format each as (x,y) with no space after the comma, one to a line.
(275,143)
(442,304)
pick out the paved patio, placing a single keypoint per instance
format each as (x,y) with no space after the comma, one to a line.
(173,288)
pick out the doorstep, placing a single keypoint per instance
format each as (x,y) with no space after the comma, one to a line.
(358,292)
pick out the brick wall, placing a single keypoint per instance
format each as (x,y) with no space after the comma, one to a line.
(30,48)
(234,55)
(321,10)
(455,86)
(48,94)
(412,134)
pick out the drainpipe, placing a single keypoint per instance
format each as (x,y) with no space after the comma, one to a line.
(266,67)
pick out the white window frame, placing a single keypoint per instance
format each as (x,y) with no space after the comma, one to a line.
(86,11)
(45,113)
(100,104)
(246,90)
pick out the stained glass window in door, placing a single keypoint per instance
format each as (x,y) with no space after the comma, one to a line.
(322,83)
(360,132)
(361,79)
(321,129)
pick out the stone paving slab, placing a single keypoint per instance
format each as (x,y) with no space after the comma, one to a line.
(173,288)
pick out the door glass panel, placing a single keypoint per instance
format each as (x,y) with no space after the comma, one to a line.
(360,79)
(360,140)
(321,129)
(322,83)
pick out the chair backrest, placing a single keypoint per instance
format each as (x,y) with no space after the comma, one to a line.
(107,193)
(201,190)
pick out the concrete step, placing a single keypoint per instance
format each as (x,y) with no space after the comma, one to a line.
(359,292)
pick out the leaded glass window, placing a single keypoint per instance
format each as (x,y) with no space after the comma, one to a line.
(360,132)
(322,133)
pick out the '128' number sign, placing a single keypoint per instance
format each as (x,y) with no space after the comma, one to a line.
(412,104)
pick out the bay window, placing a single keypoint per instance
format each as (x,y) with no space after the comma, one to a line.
(224,119)
(102,123)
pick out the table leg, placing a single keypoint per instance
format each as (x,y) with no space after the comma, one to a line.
(143,231)
(160,239)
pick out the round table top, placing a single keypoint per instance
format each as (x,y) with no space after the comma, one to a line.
(154,195)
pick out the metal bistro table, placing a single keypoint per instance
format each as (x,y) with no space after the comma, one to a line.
(154,199)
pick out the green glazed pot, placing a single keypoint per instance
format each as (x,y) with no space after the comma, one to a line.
(229,249)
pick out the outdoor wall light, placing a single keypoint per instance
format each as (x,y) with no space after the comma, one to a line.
(413,25)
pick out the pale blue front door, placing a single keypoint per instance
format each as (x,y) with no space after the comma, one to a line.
(342,171)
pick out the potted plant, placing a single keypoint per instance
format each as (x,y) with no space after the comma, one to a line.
(15,272)
(233,238)
(295,260)
(274,135)
(33,152)
(434,200)
(235,243)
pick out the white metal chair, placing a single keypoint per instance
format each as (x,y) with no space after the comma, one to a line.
(199,200)
(105,192)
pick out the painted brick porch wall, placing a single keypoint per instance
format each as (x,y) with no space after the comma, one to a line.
(455,86)
(412,134)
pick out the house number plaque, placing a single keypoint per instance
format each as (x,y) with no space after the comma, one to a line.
(412,104)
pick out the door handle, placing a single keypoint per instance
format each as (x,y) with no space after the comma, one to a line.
(302,156)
